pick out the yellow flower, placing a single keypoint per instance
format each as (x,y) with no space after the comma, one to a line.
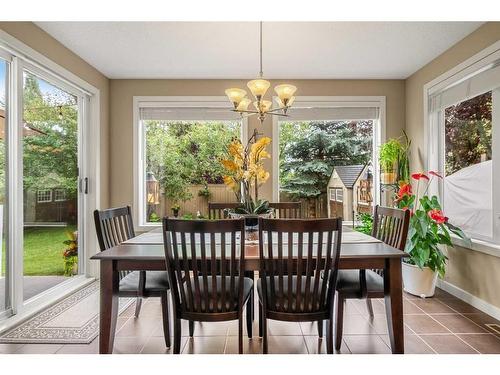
(230,183)
(230,165)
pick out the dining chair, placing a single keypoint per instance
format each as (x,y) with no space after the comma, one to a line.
(114,226)
(298,271)
(287,210)
(390,225)
(218,211)
(212,253)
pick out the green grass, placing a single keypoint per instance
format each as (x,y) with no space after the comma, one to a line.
(43,249)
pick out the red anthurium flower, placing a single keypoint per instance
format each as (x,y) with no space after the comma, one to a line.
(404,190)
(433,173)
(418,176)
(437,216)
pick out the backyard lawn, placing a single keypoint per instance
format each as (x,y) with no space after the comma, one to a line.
(43,249)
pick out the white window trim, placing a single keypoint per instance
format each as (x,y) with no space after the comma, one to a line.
(379,131)
(341,191)
(59,199)
(432,137)
(139,142)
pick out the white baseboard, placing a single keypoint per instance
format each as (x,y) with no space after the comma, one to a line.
(472,300)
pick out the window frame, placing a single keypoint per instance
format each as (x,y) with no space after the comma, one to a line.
(434,142)
(46,194)
(59,199)
(139,212)
(341,191)
(379,131)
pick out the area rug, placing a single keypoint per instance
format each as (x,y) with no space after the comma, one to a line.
(74,320)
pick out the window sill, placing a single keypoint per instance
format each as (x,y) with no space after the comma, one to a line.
(478,245)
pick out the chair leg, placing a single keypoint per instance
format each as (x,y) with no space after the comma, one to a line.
(166,319)
(264,334)
(339,317)
(329,335)
(320,328)
(260,320)
(369,306)
(249,318)
(240,333)
(177,335)
(138,304)
(191,328)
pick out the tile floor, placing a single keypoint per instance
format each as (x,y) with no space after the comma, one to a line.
(442,324)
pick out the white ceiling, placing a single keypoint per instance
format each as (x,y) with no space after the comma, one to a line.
(369,50)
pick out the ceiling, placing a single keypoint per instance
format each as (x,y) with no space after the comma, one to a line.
(294,50)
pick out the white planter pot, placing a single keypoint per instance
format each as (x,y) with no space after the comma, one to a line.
(419,282)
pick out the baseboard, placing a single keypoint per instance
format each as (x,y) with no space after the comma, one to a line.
(471,299)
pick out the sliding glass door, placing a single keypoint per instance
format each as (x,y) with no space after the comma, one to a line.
(50,142)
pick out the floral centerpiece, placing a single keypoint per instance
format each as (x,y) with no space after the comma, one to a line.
(70,254)
(245,172)
(429,228)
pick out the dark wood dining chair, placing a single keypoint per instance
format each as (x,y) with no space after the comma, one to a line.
(298,271)
(212,253)
(287,210)
(114,226)
(216,211)
(390,225)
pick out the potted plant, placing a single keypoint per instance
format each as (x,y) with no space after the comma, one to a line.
(429,230)
(70,254)
(388,154)
(404,160)
(245,172)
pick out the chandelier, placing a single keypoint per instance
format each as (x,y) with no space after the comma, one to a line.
(258,88)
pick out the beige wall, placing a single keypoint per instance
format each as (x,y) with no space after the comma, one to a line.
(39,40)
(474,272)
(121,113)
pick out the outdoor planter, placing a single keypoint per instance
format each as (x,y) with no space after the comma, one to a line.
(388,178)
(419,282)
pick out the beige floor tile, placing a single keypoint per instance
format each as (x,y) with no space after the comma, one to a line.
(128,345)
(311,328)
(424,324)
(366,344)
(432,306)
(447,344)
(486,344)
(9,348)
(287,345)
(92,348)
(156,345)
(205,345)
(378,307)
(357,325)
(253,346)
(410,308)
(39,349)
(138,327)
(279,328)
(413,344)
(456,323)
(484,321)
(318,346)
(459,306)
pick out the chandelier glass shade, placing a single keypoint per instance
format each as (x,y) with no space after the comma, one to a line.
(258,88)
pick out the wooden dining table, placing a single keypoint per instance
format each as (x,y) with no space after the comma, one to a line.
(146,252)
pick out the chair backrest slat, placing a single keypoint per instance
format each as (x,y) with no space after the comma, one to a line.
(216,211)
(287,210)
(209,277)
(390,225)
(310,263)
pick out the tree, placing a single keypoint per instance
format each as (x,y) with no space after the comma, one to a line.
(468,133)
(310,150)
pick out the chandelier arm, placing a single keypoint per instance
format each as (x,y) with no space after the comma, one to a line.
(246,111)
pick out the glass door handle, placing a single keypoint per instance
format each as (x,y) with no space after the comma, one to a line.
(83,185)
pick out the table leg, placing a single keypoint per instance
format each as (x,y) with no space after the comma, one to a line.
(393,292)
(108,306)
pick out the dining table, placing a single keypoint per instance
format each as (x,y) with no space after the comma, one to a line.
(146,252)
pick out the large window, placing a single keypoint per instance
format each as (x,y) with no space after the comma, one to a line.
(462,146)
(327,147)
(181,170)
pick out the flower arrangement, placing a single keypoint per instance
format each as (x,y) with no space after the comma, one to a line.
(70,254)
(429,227)
(244,171)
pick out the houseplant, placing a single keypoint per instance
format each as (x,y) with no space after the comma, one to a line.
(244,174)
(70,254)
(388,155)
(429,230)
